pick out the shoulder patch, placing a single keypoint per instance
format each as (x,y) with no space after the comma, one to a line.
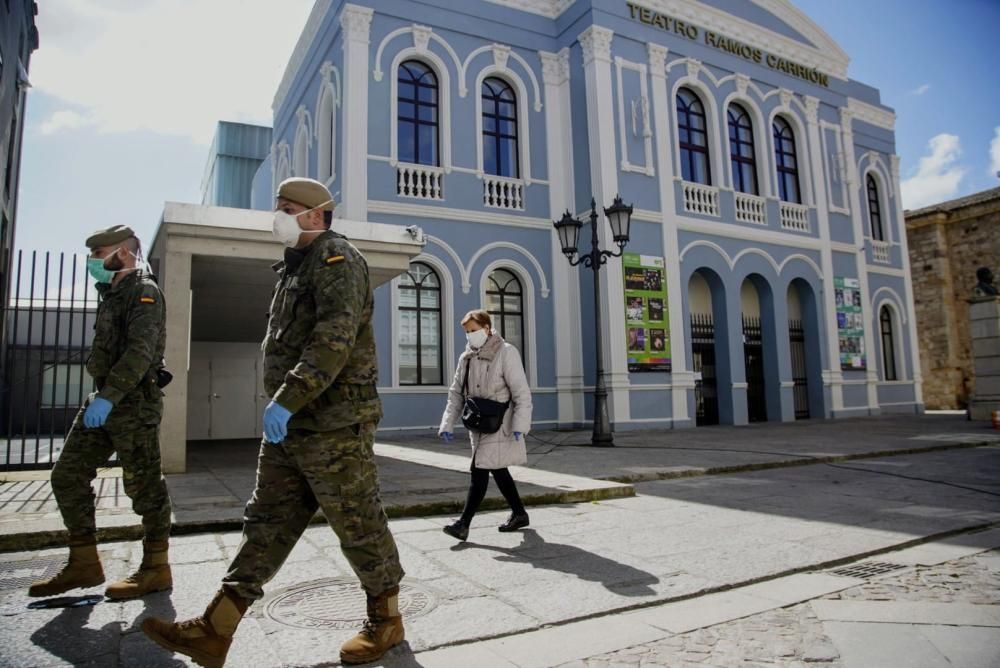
(146,299)
(334,259)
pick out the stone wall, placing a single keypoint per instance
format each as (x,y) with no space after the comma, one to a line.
(948,242)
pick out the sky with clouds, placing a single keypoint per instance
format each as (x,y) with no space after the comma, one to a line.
(126,95)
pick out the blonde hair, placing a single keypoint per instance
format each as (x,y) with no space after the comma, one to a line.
(480,317)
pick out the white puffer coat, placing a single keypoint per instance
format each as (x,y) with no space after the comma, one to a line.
(496,373)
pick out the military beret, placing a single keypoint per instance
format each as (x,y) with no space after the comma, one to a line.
(307,192)
(110,235)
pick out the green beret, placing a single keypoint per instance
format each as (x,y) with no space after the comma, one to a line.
(109,236)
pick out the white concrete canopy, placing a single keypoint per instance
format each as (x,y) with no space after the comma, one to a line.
(223,256)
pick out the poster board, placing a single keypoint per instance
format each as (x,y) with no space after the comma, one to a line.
(850,322)
(647,319)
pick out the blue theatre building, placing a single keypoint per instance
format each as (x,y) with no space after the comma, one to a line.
(768,277)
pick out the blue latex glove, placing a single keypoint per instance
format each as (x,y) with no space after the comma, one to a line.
(97,413)
(276,422)
(517,436)
(447,436)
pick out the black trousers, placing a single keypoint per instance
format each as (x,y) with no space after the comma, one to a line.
(477,492)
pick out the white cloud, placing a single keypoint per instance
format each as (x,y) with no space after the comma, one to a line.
(995,152)
(169,66)
(936,177)
(921,89)
(63,120)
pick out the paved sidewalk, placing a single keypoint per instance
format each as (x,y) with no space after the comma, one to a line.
(421,476)
(589,578)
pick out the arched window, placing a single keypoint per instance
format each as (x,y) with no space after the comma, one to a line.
(786,161)
(421,349)
(741,150)
(326,129)
(874,210)
(417,114)
(300,155)
(693,138)
(505,303)
(888,344)
(500,150)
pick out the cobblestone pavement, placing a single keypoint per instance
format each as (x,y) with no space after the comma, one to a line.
(796,637)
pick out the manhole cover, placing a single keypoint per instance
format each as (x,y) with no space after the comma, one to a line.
(337,603)
(18,574)
(867,569)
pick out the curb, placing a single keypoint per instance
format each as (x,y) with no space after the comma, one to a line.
(800,460)
(40,540)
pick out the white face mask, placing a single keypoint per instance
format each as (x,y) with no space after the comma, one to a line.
(477,338)
(286,227)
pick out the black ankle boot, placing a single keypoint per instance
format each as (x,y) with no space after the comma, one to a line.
(457,530)
(514,522)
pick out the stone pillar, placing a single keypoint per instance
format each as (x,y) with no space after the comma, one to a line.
(565,278)
(984,317)
(177,293)
(596,44)
(833,377)
(861,260)
(681,377)
(911,320)
(356,22)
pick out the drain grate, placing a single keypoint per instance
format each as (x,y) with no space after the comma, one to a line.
(338,604)
(18,574)
(867,569)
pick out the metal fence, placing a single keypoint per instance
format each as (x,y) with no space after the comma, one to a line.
(48,324)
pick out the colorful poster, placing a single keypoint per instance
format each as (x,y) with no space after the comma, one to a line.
(647,326)
(850,322)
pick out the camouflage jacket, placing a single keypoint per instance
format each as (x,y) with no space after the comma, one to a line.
(319,351)
(129,338)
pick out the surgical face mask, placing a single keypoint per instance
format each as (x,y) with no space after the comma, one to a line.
(100,272)
(286,227)
(477,338)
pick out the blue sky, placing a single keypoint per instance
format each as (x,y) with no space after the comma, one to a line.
(127,92)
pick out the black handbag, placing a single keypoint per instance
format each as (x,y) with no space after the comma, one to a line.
(478,414)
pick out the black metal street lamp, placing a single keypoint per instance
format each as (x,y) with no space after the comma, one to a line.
(620,217)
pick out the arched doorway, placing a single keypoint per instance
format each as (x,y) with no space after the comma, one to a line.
(760,350)
(709,348)
(805,350)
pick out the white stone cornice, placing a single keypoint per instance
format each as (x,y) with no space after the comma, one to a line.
(871,114)
(800,21)
(596,44)
(302,47)
(555,67)
(356,22)
(657,59)
(548,8)
(828,57)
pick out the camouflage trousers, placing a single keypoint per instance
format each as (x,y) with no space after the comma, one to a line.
(138,448)
(334,471)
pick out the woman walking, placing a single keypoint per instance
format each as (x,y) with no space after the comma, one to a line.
(490,369)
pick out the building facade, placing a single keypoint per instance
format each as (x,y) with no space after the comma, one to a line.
(18,39)
(948,243)
(767,274)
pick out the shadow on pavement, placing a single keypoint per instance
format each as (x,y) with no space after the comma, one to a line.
(615,576)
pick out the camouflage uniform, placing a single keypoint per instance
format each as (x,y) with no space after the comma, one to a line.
(129,338)
(320,364)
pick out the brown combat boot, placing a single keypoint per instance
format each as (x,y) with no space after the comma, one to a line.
(382,631)
(82,570)
(153,574)
(205,639)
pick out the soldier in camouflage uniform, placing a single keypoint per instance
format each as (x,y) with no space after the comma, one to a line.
(122,417)
(319,431)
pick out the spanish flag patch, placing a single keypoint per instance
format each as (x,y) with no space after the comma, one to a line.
(334,259)
(147,300)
